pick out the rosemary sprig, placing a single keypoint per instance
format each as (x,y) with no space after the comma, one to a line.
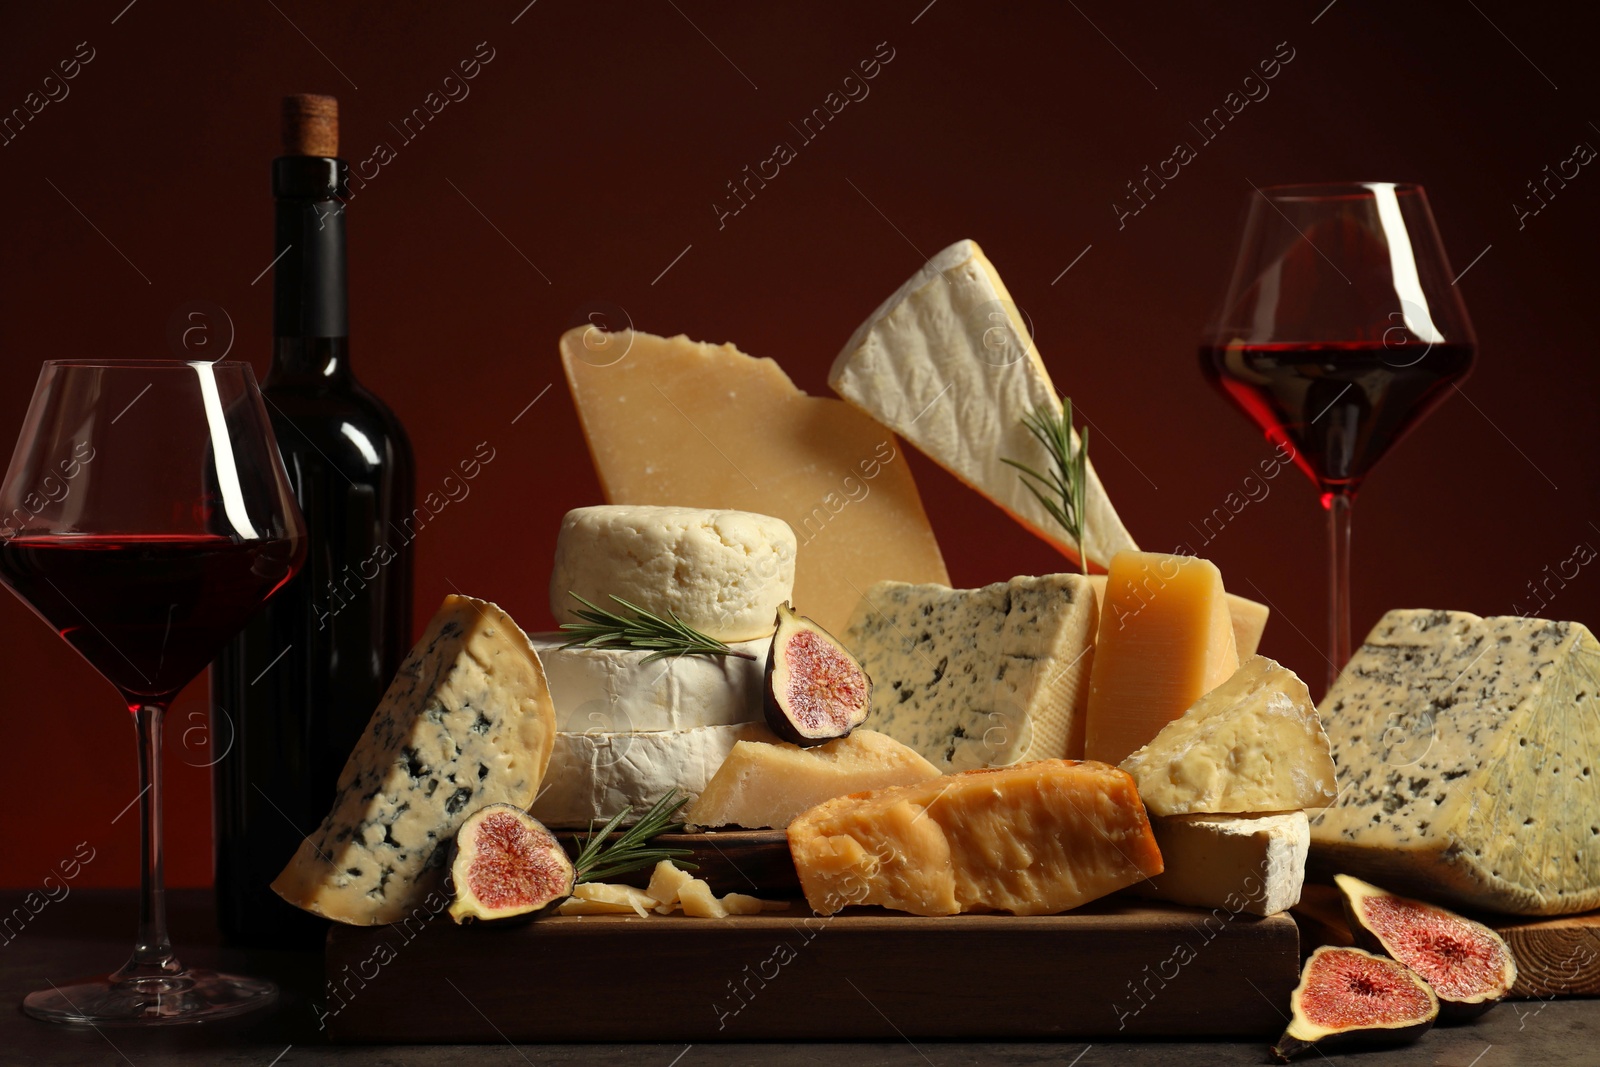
(601,858)
(1065,491)
(644,632)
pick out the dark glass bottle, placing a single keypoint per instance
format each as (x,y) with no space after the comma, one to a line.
(292,694)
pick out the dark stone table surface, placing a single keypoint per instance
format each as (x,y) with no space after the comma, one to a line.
(91,931)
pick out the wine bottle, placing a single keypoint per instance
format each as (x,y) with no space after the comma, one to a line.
(291,696)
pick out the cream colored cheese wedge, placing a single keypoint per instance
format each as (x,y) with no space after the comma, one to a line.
(1254,743)
(1232,864)
(764,784)
(948,363)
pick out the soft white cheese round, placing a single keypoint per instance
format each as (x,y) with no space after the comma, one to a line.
(594,775)
(723,572)
(613,690)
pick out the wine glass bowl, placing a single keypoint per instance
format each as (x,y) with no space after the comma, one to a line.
(1341,329)
(145,516)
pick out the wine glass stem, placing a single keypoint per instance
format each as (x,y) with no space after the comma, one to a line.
(1338,505)
(152,954)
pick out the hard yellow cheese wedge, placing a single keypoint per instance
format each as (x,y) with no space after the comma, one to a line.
(1254,743)
(767,785)
(671,421)
(1033,839)
(1249,618)
(1165,638)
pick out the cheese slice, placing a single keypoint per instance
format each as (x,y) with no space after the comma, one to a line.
(1469,763)
(467,722)
(1165,638)
(979,677)
(949,363)
(1233,864)
(671,421)
(1249,618)
(598,773)
(613,690)
(1034,839)
(764,784)
(722,572)
(1254,743)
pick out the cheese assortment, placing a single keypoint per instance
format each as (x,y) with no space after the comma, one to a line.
(758,635)
(948,362)
(722,572)
(467,722)
(1467,753)
(674,422)
(979,677)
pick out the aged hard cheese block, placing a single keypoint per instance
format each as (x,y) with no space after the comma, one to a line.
(596,774)
(949,364)
(766,785)
(1033,839)
(979,677)
(611,690)
(722,572)
(671,421)
(1469,763)
(467,722)
(1165,638)
(1254,864)
(1249,618)
(1253,743)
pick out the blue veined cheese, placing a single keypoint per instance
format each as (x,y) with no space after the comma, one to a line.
(1468,752)
(466,722)
(979,677)
(948,362)
(613,690)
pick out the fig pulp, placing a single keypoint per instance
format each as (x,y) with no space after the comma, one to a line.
(1348,996)
(506,865)
(815,691)
(1469,967)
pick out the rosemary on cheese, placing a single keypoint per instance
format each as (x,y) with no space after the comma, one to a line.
(1064,491)
(644,632)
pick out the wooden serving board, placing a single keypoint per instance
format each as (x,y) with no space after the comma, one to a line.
(1114,969)
(1556,957)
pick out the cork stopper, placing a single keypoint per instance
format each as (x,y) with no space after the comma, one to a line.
(310,125)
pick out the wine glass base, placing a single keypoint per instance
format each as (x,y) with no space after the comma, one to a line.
(192,996)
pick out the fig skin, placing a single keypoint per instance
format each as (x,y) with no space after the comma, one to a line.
(465,907)
(1303,1034)
(788,626)
(1355,892)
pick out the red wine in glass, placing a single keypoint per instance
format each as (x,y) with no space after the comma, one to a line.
(148,611)
(1339,406)
(1342,328)
(145,516)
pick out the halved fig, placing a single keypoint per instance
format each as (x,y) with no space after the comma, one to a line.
(1468,965)
(816,691)
(506,865)
(1348,996)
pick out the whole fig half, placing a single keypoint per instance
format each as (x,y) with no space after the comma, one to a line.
(815,690)
(1348,996)
(505,866)
(1468,965)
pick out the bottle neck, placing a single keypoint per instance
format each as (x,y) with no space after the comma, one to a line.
(309,309)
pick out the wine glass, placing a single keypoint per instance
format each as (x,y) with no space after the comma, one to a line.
(1341,329)
(146,516)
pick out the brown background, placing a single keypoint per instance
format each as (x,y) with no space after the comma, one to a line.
(594,145)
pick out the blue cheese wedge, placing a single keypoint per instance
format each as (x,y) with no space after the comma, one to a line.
(1469,763)
(984,677)
(467,722)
